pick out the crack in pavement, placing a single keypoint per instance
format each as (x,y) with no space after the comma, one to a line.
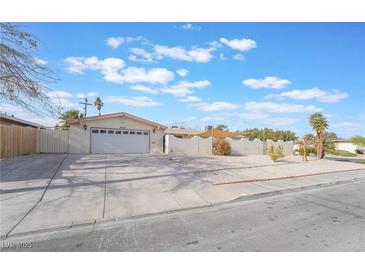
(40,199)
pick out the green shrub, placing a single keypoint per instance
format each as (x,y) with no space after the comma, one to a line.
(221,147)
(309,150)
(344,153)
(276,152)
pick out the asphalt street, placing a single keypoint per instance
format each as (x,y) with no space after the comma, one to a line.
(324,219)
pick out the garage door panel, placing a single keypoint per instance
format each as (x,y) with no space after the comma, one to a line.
(119,141)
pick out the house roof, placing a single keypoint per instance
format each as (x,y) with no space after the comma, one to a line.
(18,121)
(182,131)
(115,115)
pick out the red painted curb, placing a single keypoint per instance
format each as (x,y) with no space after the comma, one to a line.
(283,178)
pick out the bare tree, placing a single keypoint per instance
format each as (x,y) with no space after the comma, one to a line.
(23,77)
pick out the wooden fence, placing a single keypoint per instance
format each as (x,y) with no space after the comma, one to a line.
(52,141)
(17,140)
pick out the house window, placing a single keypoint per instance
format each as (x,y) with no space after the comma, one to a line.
(145,133)
(111,131)
(95,131)
(125,132)
(154,130)
(139,133)
(132,132)
(118,132)
(103,131)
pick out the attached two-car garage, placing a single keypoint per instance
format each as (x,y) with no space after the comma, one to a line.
(115,133)
(109,140)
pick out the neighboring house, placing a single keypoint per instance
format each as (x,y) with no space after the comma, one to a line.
(11,120)
(346,145)
(182,133)
(115,133)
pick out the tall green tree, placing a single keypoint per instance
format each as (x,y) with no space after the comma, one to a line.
(68,115)
(358,141)
(99,104)
(319,124)
(328,142)
(268,133)
(222,127)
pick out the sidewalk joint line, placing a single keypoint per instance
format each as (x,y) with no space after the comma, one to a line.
(40,199)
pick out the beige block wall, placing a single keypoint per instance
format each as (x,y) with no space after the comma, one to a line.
(347,146)
(80,138)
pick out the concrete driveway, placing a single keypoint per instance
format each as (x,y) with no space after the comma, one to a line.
(53,191)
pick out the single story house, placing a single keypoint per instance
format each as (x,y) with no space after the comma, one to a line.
(115,133)
(11,120)
(347,145)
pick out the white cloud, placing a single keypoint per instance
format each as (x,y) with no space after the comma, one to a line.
(115,42)
(183,88)
(213,118)
(140,101)
(215,45)
(272,82)
(144,89)
(65,103)
(59,94)
(154,75)
(88,94)
(314,93)
(328,115)
(238,57)
(196,54)
(216,106)
(189,26)
(190,99)
(177,91)
(20,113)
(109,67)
(41,61)
(182,72)
(145,56)
(348,126)
(189,119)
(61,98)
(221,56)
(262,118)
(239,44)
(274,107)
(197,84)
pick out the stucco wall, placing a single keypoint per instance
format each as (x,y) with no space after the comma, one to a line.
(80,138)
(239,146)
(347,146)
(183,146)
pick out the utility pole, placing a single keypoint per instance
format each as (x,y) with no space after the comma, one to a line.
(85,103)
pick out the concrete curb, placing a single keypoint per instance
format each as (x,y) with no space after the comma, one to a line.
(168,212)
(285,177)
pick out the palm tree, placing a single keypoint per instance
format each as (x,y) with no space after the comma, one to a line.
(319,124)
(67,115)
(99,104)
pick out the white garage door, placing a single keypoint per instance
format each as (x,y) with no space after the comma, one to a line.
(104,140)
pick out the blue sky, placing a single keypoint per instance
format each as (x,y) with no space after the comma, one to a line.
(195,74)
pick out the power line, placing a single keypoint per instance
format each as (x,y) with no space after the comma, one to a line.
(85,103)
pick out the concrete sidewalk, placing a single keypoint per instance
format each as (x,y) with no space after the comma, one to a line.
(45,192)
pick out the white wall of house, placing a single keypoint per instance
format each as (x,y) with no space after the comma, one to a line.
(347,146)
(79,138)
